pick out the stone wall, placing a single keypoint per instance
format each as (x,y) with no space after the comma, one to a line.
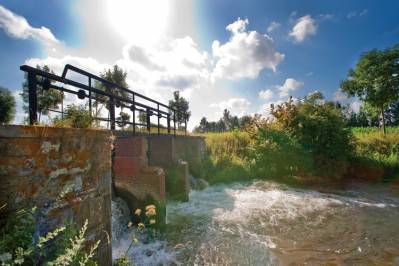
(65,173)
(132,175)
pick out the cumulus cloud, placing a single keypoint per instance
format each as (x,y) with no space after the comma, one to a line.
(18,27)
(245,54)
(266,94)
(290,84)
(237,106)
(339,96)
(273,26)
(304,27)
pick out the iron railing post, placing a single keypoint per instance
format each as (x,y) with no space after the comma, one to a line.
(32,87)
(174,123)
(134,116)
(90,97)
(159,130)
(168,118)
(148,117)
(112,112)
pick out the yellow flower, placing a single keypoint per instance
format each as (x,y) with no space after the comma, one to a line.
(152,221)
(150,207)
(129,224)
(140,226)
(137,212)
(151,212)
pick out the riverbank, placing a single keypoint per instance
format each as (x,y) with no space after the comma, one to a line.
(375,158)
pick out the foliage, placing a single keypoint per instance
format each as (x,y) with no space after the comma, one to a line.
(226,123)
(318,125)
(375,79)
(46,99)
(181,105)
(19,244)
(77,116)
(123,119)
(146,223)
(115,75)
(7,106)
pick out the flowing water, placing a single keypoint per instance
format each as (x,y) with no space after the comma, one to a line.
(264,223)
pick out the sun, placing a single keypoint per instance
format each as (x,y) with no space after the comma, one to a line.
(139,21)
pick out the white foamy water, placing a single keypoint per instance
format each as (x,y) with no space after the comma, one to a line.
(264,223)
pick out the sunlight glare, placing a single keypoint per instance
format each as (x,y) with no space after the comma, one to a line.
(139,21)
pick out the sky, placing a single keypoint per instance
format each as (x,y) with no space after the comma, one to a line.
(239,55)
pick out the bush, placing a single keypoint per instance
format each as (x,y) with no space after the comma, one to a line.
(276,153)
(319,126)
(75,116)
(7,106)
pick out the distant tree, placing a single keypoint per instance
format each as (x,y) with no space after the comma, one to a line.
(122,119)
(143,117)
(375,79)
(7,106)
(227,119)
(182,106)
(115,75)
(46,99)
(245,121)
(203,126)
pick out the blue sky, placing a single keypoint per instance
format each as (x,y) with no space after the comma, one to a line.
(240,55)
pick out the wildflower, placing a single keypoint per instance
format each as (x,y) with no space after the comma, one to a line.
(129,224)
(150,207)
(137,212)
(152,221)
(140,226)
(151,212)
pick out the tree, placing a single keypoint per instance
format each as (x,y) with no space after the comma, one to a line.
(123,119)
(7,106)
(375,79)
(115,75)
(46,99)
(181,105)
(203,126)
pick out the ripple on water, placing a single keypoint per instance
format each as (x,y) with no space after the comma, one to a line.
(264,223)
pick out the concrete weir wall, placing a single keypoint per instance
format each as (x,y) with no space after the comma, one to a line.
(65,173)
(68,174)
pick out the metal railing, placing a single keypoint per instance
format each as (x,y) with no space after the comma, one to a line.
(126,98)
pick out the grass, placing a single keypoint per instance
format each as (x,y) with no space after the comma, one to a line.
(227,161)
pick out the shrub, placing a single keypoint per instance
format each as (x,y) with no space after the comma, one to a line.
(19,244)
(7,106)
(75,116)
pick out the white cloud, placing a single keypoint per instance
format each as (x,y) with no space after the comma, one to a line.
(17,27)
(304,27)
(357,13)
(236,106)
(290,84)
(266,94)
(245,54)
(273,26)
(176,62)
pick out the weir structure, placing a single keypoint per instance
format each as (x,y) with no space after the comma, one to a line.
(72,174)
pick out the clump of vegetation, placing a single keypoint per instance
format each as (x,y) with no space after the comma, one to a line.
(147,223)
(7,106)
(75,116)
(19,244)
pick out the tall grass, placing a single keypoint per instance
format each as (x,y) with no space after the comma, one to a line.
(230,155)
